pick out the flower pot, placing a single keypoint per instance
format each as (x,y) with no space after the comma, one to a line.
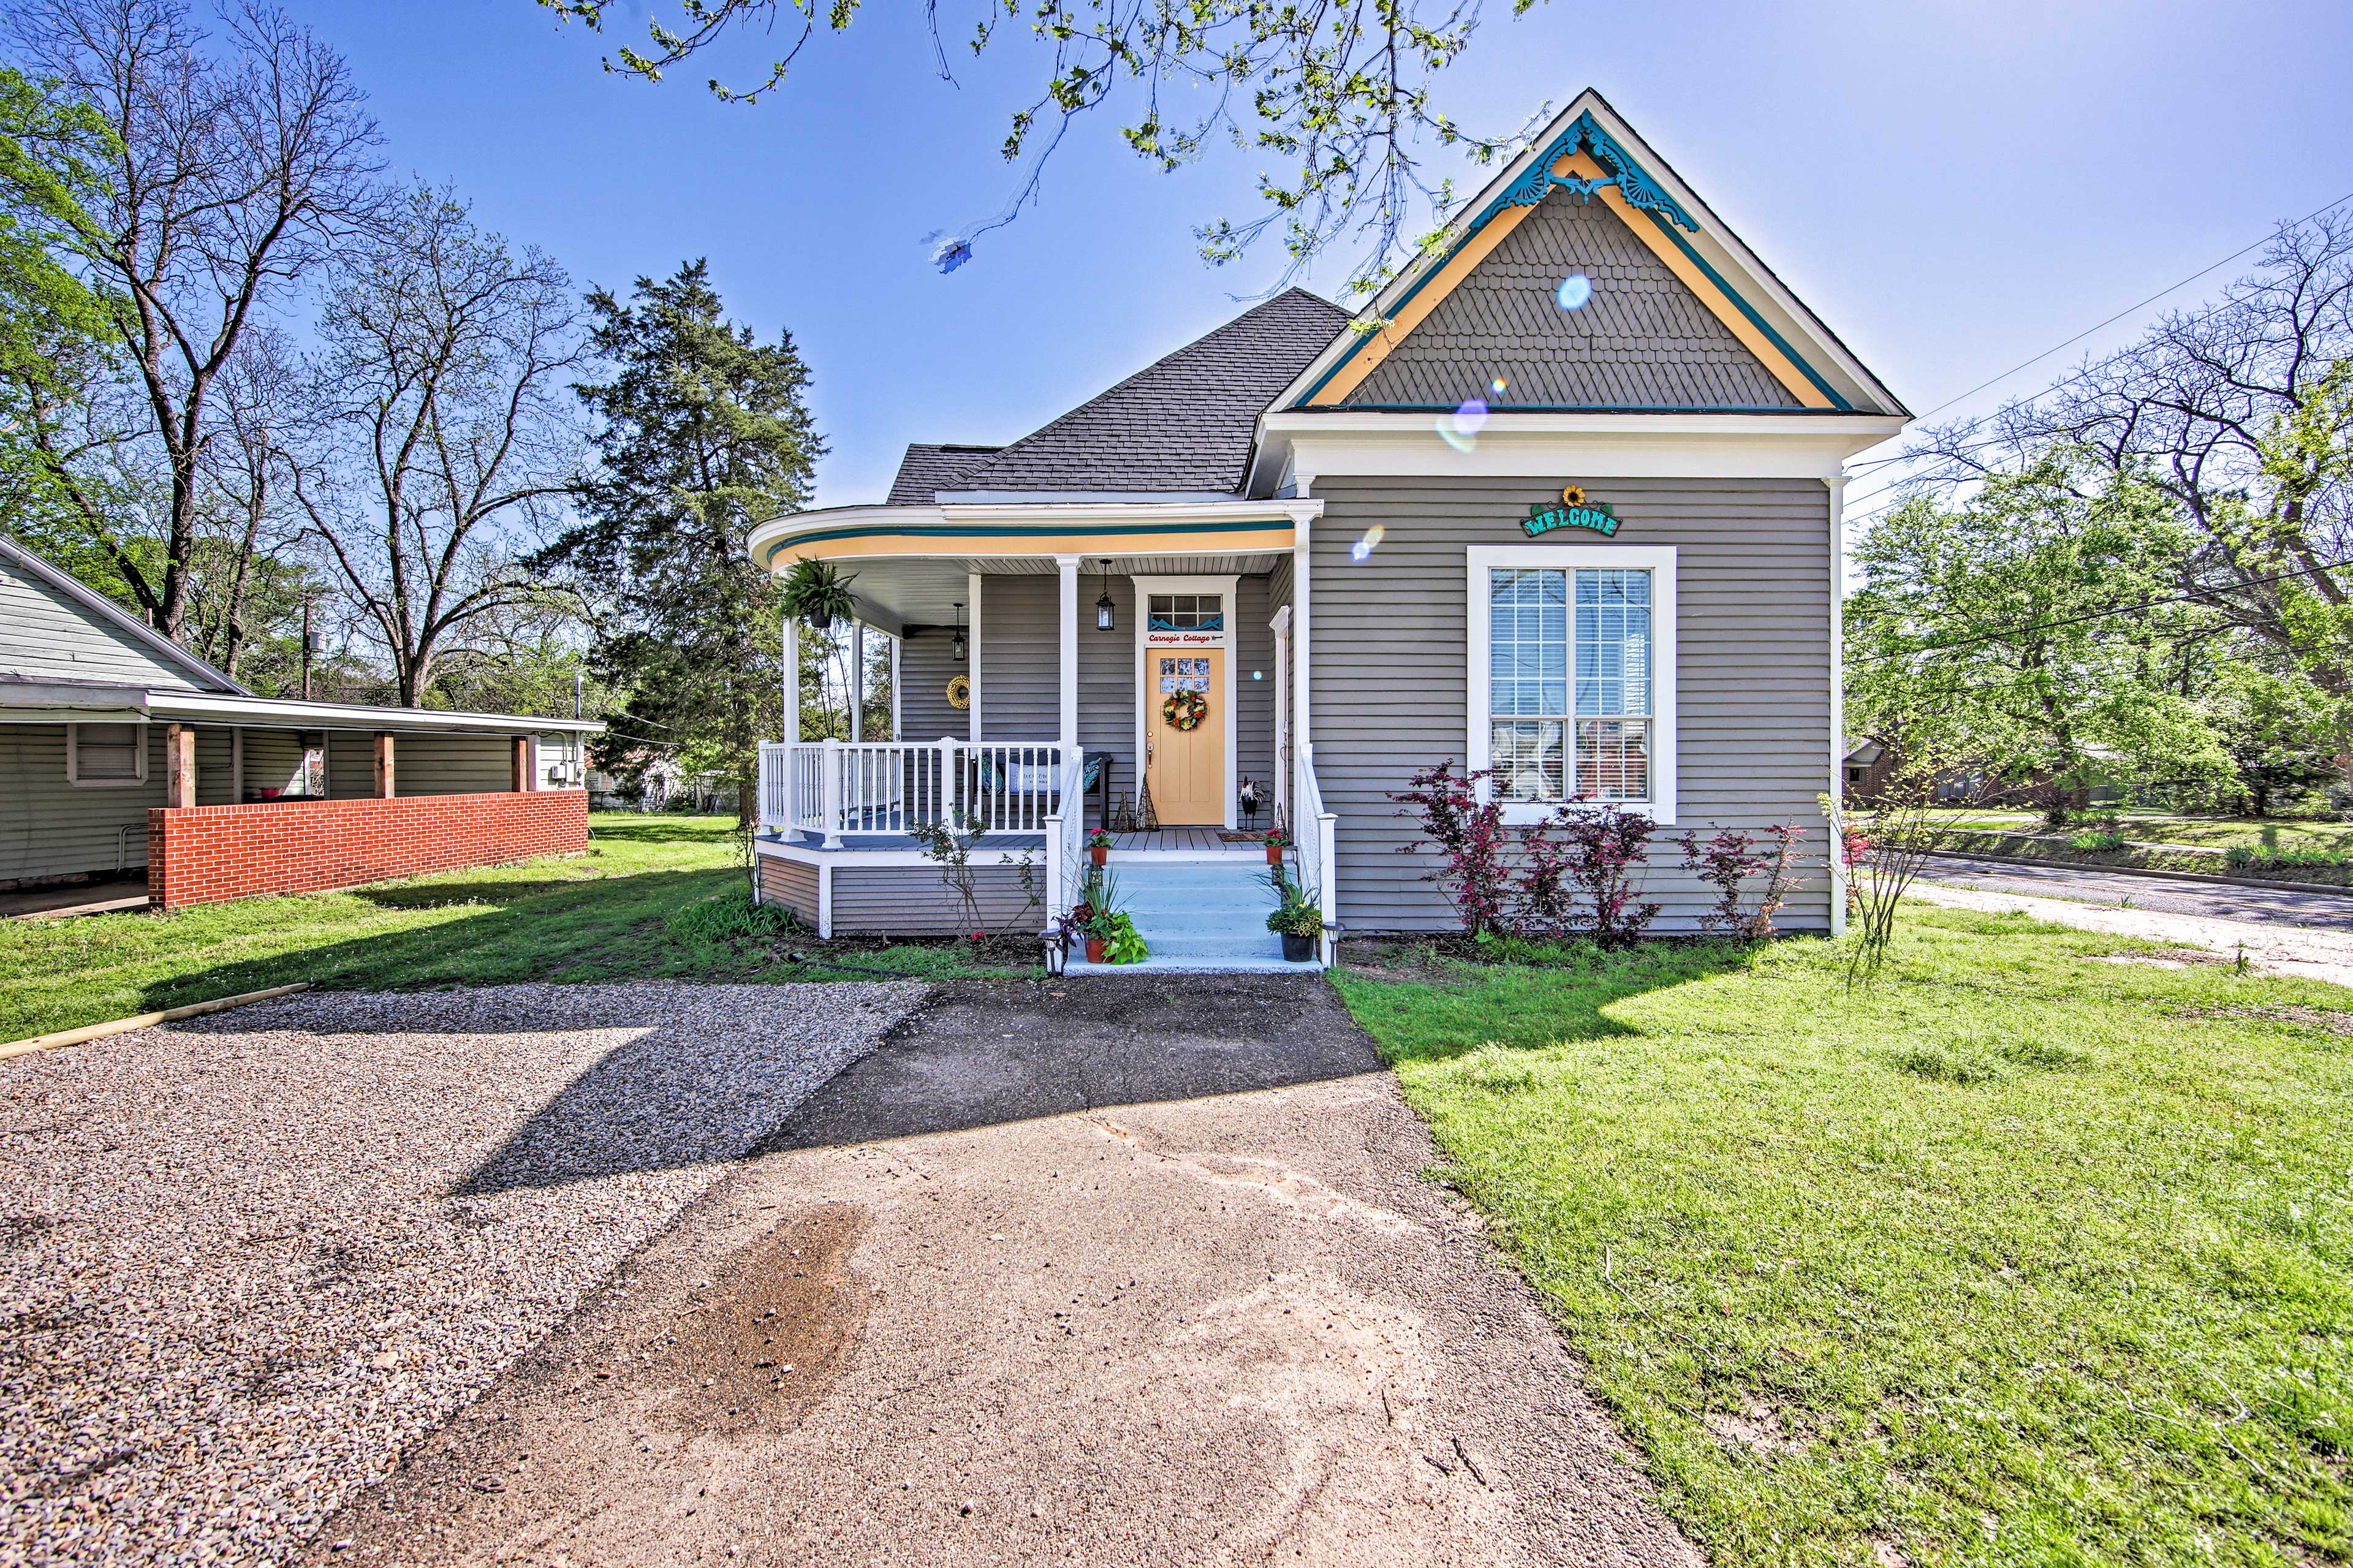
(1094,949)
(1099,853)
(1297,949)
(1274,854)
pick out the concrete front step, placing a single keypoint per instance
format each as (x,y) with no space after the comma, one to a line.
(1195,914)
(1157,965)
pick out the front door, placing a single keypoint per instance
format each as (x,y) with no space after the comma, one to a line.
(1187,771)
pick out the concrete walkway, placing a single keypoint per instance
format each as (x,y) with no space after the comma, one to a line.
(1133,1271)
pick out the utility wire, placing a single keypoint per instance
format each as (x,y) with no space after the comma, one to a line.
(2087,332)
(2102,614)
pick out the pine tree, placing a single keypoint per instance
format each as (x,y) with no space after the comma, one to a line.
(702,432)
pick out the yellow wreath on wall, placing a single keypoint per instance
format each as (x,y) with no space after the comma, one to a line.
(959,691)
(1185,709)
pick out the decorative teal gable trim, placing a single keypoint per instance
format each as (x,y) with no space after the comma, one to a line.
(1641,191)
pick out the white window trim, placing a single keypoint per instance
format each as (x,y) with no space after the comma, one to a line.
(73,760)
(1659,561)
(1146,707)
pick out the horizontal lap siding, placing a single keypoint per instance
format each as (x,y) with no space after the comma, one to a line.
(208,854)
(45,636)
(273,760)
(1107,683)
(1020,684)
(927,662)
(451,764)
(916,901)
(791,885)
(1390,682)
(1254,649)
(52,828)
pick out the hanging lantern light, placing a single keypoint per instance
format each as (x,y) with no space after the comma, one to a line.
(958,644)
(1103,605)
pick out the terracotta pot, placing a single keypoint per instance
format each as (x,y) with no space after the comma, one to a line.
(1094,949)
(1099,853)
(1274,854)
(1297,949)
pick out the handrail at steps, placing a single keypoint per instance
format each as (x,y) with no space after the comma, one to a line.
(1316,832)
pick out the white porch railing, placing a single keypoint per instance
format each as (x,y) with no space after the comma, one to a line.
(828,788)
(1316,832)
(1066,840)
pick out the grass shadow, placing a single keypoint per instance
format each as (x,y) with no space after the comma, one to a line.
(1451,1007)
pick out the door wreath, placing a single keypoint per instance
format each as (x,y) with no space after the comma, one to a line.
(1185,709)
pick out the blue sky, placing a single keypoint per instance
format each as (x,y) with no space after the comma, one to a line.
(1953,185)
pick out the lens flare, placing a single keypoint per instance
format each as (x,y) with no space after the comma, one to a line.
(1454,435)
(1471,417)
(1495,387)
(1363,547)
(1574,291)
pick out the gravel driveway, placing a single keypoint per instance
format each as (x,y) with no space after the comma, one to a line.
(246,1259)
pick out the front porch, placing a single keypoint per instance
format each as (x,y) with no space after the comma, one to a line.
(1056,668)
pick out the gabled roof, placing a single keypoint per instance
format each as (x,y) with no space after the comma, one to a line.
(109,617)
(1182,425)
(928,469)
(1684,317)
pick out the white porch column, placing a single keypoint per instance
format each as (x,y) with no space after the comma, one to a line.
(792,725)
(972,679)
(1281,625)
(1302,737)
(858,681)
(898,731)
(1067,567)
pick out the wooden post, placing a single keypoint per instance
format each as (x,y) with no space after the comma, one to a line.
(383,782)
(526,765)
(180,765)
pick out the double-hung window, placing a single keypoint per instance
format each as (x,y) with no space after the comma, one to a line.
(104,755)
(1571,676)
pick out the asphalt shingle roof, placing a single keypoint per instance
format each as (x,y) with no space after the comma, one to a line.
(928,468)
(1644,340)
(1181,423)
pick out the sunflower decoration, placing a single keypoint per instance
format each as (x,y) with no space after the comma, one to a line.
(1574,495)
(1185,709)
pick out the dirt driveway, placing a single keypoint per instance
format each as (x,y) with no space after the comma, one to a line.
(1132,1274)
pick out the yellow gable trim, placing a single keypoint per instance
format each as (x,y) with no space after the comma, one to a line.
(949,545)
(1463,262)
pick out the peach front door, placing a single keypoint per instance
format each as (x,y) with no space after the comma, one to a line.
(1187,770)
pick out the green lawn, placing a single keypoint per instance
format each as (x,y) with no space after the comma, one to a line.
(2019,1257)
(654,896)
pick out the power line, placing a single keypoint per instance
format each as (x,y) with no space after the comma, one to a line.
(2087,332)
(2102,614)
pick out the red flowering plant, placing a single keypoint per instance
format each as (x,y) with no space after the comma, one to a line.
(1469,837)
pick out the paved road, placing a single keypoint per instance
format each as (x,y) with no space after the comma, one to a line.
(1125,1272)
(2266,906)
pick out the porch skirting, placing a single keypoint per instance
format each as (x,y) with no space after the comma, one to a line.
(207,854)
(896,894)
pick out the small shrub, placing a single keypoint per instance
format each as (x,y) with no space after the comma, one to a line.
(1727,861)
(1604,847)
(731,918)
(2105,841)
(1469,832)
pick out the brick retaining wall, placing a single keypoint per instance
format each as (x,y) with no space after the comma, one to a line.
(205,854)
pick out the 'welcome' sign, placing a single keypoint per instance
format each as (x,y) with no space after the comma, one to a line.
(1572,511)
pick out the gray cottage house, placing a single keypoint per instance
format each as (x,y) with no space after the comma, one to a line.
(1564,501)
(124,754)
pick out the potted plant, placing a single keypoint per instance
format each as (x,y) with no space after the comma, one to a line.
(1297,918)
(1277,842)
(1120,940)
(816,591)
(1099,846)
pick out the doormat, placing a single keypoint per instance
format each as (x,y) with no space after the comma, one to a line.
(1228,836)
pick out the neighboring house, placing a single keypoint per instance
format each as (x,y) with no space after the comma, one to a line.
(121,750)
(1566,507)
